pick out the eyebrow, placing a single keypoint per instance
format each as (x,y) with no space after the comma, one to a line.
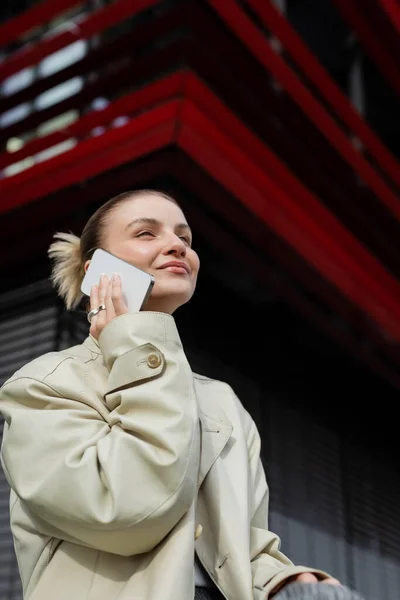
(150,221)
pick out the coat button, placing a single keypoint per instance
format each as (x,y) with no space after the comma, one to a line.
(199,531)
(154,360)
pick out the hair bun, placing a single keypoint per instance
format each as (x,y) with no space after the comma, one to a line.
(68,270)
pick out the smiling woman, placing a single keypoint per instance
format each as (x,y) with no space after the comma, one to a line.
(150,231)
(131,476)
(146,228)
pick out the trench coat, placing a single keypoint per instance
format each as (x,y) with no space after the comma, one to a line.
(122,463)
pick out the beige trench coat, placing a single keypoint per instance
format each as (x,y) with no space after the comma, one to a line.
(116,453)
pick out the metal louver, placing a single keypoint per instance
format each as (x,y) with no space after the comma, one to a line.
(28,328)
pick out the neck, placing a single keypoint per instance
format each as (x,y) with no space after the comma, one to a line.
(165,305)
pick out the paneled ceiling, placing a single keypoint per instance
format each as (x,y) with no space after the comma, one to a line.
(276,130)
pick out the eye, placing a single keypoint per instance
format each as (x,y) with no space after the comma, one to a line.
(145,233)
(186,239)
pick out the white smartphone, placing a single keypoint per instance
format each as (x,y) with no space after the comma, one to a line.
(136,284)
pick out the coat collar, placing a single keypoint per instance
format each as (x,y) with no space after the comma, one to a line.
(216,429)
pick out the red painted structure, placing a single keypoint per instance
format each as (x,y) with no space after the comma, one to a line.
(267,148)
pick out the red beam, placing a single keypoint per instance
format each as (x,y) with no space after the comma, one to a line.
(91,157)
(261,155)
(366,32)
(95,23)
(392,9)
(316,73)
(256,42)
(255,263)
(383,26)
(55,206)
(145,68)
(283,125)
(291,293)
(231,167)
(26,185)
(230,164)
(108,51)
(211,107)
(169,87)
(293,146)
(36,16)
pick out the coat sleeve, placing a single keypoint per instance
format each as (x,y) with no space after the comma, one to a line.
(270,568)
(118,483)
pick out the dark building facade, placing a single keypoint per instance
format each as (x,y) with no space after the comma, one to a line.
(274,123)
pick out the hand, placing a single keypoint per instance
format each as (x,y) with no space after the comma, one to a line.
(310,578)
(109,293)
(304,578)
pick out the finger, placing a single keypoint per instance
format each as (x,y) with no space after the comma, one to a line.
(108,301)
(94,296)
(331,581)
(117,297)
(102,315)
(94,302)
(306,578)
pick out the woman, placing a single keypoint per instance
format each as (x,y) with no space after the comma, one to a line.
(122,462)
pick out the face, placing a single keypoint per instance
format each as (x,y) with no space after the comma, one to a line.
(151,232)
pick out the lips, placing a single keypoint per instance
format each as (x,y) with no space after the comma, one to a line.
(176,266)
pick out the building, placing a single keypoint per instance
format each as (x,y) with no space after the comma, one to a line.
(275,125)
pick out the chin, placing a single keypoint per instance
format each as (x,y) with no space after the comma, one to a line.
(177,287)
(171,297)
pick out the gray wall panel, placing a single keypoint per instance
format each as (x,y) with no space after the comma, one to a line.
(27,330)
(334,506)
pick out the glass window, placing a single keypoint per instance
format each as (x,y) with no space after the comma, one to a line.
(55,150)
(17,82)
(62,58)
(14,144)
(58,122)
(15,114)
(99,130)
(19,166)
(120,121)
(69,19)
(59,93)
(100,103)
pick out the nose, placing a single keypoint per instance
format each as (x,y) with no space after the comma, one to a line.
(176,247)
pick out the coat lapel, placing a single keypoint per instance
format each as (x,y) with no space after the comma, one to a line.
(216,429)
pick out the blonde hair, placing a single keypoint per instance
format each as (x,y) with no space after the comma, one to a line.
(68,270)
(69,253)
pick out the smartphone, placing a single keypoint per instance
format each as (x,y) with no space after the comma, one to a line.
(136,284)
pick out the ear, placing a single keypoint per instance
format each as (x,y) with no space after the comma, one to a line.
(87,263)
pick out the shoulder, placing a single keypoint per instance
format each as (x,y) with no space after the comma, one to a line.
(222,393)
(45,366)
(214,386)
